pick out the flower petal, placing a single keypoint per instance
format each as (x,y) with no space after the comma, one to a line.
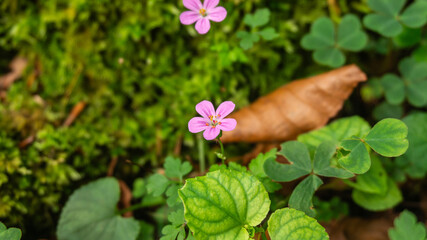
(189,17)
(203,25)
(197,124)
(205,108)
(228,124)
(211,133)
(217,14)
(194,5)
(224,109)
(209,4)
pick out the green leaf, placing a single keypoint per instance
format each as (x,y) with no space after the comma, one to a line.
(146,232)
(260,18)
(268,33)
(394,88)
(379,202)
(90,213)
(288,223)
(386,110)
(139,188)
(220,204)
(417,136)
(350,34)
(301,198)
(300,163)
(374,180)
(420,54)
(237,167)
(10,233)
(322,162)
(387,7)
(172,194)
(388,137)
(415,15)
(322,35)
(408,37)
(407,228)
(332,57)
(257,165)
(247,39)
(175,169)
(358,160)
(157,184)
(335,132)
(385,25)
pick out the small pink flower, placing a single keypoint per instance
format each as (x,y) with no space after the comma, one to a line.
(212,122)
(201,14)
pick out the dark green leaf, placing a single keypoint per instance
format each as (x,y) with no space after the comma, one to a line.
(415,15)
(260,18)
(301,198)
(322,162)
(386,110)
(394,88)
(157,184)
(350,34)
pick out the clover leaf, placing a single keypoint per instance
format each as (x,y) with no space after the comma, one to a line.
(9,233)
(288,223)
(407,228)
(223,204)
(254,21)
(412,84)
(322,162)
(357,160)
(301,198)
(90,213)
(299,157)
(328,43)
(388,17)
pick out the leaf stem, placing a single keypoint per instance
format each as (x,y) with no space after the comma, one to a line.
(202,160)
(222,155)
(131,208)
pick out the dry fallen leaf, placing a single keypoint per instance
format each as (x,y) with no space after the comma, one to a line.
(295,108)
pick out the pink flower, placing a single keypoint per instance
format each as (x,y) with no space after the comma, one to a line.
(212,122)
(201,14)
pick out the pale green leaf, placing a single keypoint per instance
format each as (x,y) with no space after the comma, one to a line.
(288,223)
(388,137)
(373,181)
(379,202)
(407,228)
(220,204)
(322,162)
(332,57)
(358,160)
(335,132)
(90,213)
(10,233)
(257,165)
(385,25)
(157,184)
(268,33)
(175,169)
(301,198)
(259,18)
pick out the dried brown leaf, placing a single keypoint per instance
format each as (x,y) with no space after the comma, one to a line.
(295,108)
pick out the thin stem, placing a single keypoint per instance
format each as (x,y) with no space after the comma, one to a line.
(202,160)
(132,208)
(222,150)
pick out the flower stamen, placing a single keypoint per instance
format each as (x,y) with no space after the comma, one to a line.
(203,12)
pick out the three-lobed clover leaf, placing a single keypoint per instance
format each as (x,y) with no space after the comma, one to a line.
(407,228)
(388,16)
(90,213)
(258,19)
(300,165)
(9,233)
(288,223)
(412,84)
(327,42)
(223,204)
(357,160)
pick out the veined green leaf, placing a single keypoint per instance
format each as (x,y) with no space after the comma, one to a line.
(220,204)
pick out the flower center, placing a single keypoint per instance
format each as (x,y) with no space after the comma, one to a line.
(203,12)
(214,121)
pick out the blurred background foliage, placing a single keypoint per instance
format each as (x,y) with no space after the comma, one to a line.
(140,73)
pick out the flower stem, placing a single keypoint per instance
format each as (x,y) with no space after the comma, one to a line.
(222,155)
(202,160)
(131,208)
